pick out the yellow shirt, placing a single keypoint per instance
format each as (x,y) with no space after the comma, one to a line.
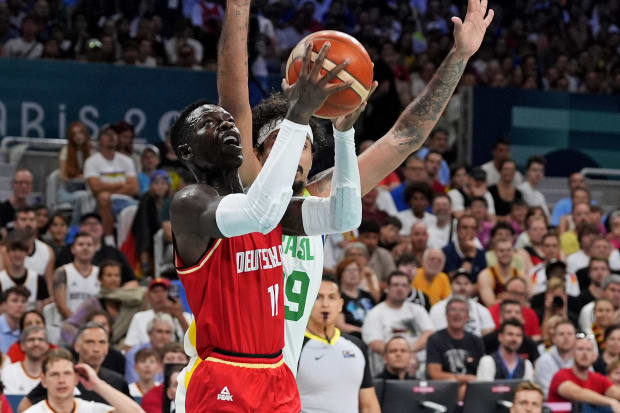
(569,242)
(436,290)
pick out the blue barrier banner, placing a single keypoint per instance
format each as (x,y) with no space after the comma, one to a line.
(41,98)
(571,130)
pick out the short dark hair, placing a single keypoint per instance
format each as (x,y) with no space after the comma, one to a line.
(436,131)
(507,302)
(501,141)
(394,338)
(504,162)
(56,355)
(368,226)
(22,320)
(418,187)
(479,199)
(430,152)
(390,220)
(598,259)
(91,325)
(536,159)
(511,322)
(610,330)
(24,210)
(82,234)
(108,263)
(145,353)
(17,240)
(173,347)
(395,273)
(502,225)
(407,258)
(17,290)
(328,278)
(463,217)
(586,228)
(181,129)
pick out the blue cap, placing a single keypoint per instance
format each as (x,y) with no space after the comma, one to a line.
(159,174)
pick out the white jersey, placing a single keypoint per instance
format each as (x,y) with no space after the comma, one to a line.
(31,284)
(302,260)
(39,258)
(17,381)
(81,406)
(79,287)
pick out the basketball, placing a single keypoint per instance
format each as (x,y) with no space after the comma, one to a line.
(359,70)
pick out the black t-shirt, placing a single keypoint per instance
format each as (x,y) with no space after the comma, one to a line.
(528,348)
(105,253)
(581,300)
(113,379)
(386,375)
(455,356)
(502,207)
(355,309)
(7,214)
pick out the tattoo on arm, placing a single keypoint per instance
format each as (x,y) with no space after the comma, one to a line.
(420,116)
(60,279)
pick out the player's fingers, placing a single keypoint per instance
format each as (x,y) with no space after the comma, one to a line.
(489,18)
(318,63)
(334,72)
(374,87)
(457,23)
(285,87)
(305,66)
(483,6)
(472,5)
(335,88)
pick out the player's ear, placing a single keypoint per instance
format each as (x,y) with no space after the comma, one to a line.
(186,152)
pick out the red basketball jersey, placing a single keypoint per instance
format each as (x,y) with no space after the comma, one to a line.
(236,295)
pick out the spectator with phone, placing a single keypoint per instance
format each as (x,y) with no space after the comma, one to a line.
(160,296)
(61,376)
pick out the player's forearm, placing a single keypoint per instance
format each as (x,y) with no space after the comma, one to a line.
(410,130)
(342,210)
(232,81)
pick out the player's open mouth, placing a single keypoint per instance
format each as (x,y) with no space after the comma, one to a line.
(230,138)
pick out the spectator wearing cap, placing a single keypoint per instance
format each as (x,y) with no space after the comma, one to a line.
(511,309)
(381,260)
(111,177)
(444,229)
(148,218)
(500,153)
(534,174)
(92,224)
(475,186)
(430,278)
(149,161)
(418,196)
(161,302)
(71,158)
(611,291)
(480,321)
(357,302)
(463,252)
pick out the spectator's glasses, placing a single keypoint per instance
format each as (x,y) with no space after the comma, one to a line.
(581,336)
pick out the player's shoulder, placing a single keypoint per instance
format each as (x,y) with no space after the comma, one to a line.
(192,198)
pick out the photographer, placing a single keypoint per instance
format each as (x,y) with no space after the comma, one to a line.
(555,301)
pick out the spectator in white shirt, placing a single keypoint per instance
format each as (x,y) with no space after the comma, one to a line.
(444,229)
(475,186)
(23,376)
(500,153)
(61,376)
(480,321)
(418,196)
(111,177)
(25,46)
(395,316)
(534,174)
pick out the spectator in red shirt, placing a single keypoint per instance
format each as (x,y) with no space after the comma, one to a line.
(579,384)
(515,289)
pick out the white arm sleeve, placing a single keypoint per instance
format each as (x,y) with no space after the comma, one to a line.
(262,208)
(342,211)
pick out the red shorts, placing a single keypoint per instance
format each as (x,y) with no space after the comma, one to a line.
(225,383)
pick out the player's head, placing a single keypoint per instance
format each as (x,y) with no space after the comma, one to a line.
(328,304)
(529,398)
(59,376)
(266,119)
(205,136)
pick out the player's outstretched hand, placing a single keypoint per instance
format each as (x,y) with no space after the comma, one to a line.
(87,376)
(312,89)
(346,122)
(468,35)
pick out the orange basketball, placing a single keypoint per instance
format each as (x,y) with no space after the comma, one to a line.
(359,70)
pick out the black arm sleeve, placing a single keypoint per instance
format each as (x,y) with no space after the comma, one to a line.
(367,379)
(37,394)
(42,293)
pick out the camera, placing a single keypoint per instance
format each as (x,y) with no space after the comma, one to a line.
(557,303)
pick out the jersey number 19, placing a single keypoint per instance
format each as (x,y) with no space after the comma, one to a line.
(295,293)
